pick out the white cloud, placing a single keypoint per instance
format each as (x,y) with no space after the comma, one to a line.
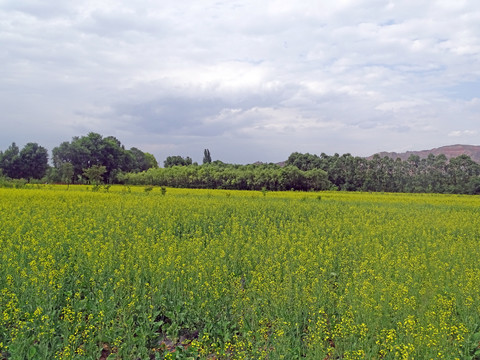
(344,76)
(461,133)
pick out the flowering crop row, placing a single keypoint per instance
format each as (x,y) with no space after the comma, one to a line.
(237,275)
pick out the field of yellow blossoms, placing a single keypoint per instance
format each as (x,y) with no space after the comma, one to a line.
(136,273)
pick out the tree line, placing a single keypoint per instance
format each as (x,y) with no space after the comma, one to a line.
(74,161)
(30,162)
(218,175)
(433,174)
(97,159)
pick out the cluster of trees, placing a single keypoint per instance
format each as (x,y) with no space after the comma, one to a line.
(94,150)
(434,174)
(73,159)
(29,163)
(177,161)
(181,161)
(96,159)
(217,175)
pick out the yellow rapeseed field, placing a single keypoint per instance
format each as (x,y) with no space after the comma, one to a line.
(127,273)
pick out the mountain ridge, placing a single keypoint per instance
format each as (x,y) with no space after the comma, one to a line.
(449,151)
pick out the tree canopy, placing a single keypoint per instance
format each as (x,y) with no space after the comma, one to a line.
(218,175)
(177,161)
(29,163)
(97,159)
(207,158)
(431,174)
(95,150)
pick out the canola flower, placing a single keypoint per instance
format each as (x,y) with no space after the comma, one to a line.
(208,274)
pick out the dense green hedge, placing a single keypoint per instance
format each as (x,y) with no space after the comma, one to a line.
(239,177)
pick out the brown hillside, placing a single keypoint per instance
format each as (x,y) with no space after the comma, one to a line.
(450,151)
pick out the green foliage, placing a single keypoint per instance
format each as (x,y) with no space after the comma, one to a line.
(33,161)
(149,161)
(236,177)
(304,172)
(66,172)
(473,187)
(207,158)
(10,162)
(12,183)
(29,163)
(94,174)
(141,161)
(93,149)
(177,161)
(434,174)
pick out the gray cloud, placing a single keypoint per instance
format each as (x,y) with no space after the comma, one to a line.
(250,80)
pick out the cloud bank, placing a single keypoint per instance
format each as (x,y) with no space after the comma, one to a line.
(249,80)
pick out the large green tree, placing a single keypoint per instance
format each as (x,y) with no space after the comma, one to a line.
(207,158)
(33,161)
(95,150)
(141,161)
(29,163)
(177,161)
(10,162)
(461,170)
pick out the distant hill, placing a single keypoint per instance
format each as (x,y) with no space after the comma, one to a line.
(449,151)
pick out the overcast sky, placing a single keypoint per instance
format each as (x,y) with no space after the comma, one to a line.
(250,80)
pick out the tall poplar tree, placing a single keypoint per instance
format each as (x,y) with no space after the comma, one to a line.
(207,159)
